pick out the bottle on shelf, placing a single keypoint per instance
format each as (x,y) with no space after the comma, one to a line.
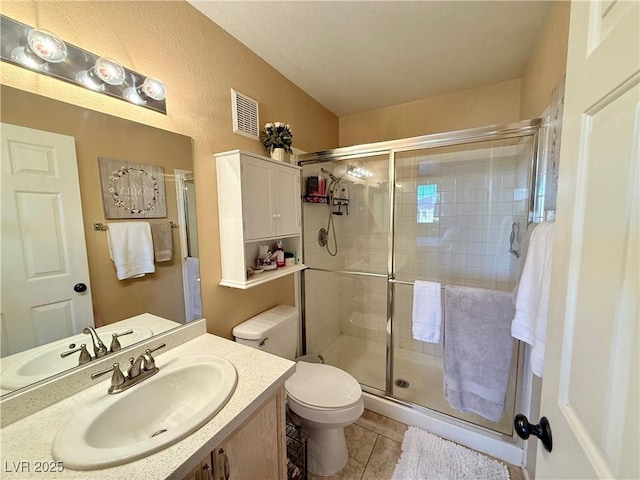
(279,255)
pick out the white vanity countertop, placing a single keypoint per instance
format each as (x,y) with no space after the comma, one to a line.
(26,444)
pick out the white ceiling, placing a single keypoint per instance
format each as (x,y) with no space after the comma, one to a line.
(358,56)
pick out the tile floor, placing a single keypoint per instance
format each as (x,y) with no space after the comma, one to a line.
(374,443)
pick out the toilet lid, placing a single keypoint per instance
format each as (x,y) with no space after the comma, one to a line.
(323,386)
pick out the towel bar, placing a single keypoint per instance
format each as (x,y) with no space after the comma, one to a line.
(401,282)
(101,227)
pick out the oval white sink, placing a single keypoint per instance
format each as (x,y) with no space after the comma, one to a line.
(161,410)
(42,362)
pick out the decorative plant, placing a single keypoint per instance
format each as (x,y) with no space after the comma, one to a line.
(276,135)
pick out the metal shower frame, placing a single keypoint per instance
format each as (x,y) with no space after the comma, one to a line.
(525,128)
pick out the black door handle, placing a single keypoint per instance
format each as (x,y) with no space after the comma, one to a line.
(542,430)
(79,287)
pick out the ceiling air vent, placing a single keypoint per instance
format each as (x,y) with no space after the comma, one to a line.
(245,115)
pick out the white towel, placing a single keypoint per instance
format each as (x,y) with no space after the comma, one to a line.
(427,311)
(131,248)
(524,249)
(532,301)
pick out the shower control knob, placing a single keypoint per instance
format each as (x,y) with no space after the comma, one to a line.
(542,430)
(79,287)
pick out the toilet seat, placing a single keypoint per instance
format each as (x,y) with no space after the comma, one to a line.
(323,387)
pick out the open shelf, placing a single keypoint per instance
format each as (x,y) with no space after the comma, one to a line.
(322,199)
(263,277)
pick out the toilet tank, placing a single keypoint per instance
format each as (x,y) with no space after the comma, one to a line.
(273,331)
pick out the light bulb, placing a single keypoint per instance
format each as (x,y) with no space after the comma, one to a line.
(46,46)
(105,70)
(109,71)
(153,88)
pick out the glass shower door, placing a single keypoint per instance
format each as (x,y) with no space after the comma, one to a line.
(460,214)
(346,230)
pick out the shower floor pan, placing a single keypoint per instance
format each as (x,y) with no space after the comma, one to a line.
(365,360)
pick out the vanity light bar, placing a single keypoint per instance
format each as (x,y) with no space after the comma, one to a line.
(44,52)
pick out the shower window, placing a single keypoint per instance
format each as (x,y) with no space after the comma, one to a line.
(427,198)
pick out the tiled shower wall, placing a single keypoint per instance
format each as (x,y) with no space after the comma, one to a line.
(322,295)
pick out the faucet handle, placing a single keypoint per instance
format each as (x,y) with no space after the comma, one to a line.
(115,343)
(85,356)
(149,361)
(116,379)
(134,367)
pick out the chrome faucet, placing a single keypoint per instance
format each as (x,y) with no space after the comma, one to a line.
(99,349)
(140,369)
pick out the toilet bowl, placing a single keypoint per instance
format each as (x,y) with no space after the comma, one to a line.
(324,398)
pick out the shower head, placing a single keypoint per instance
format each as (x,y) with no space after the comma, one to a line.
(338,172)
(329,174)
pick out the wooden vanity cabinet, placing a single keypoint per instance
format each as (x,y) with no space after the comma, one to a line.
(256,450)
(203,471)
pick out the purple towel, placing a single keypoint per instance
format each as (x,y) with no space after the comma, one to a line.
(477,349)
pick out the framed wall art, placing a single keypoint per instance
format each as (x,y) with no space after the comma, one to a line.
(131,189)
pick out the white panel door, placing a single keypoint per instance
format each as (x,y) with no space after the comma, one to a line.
(43,245)
(590,383)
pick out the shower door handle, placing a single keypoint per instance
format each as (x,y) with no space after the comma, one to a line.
(542,430)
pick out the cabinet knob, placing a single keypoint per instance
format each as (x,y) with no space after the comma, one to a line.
(207,473)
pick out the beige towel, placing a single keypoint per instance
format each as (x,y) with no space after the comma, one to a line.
(162,241)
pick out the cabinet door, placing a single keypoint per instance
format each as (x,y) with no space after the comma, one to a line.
(203,471)
(256,450)
(287,200)
(257,203)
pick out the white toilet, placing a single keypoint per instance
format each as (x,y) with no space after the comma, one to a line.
(325,398)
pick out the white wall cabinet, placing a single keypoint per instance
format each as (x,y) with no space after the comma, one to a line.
(258,204)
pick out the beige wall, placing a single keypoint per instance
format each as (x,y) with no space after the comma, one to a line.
(547,64)
(200,63)
(99,135)
(498,103)
(476,107)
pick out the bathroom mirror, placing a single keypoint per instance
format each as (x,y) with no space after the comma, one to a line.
(171,295)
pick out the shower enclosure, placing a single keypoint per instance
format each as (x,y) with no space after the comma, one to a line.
(451,208)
